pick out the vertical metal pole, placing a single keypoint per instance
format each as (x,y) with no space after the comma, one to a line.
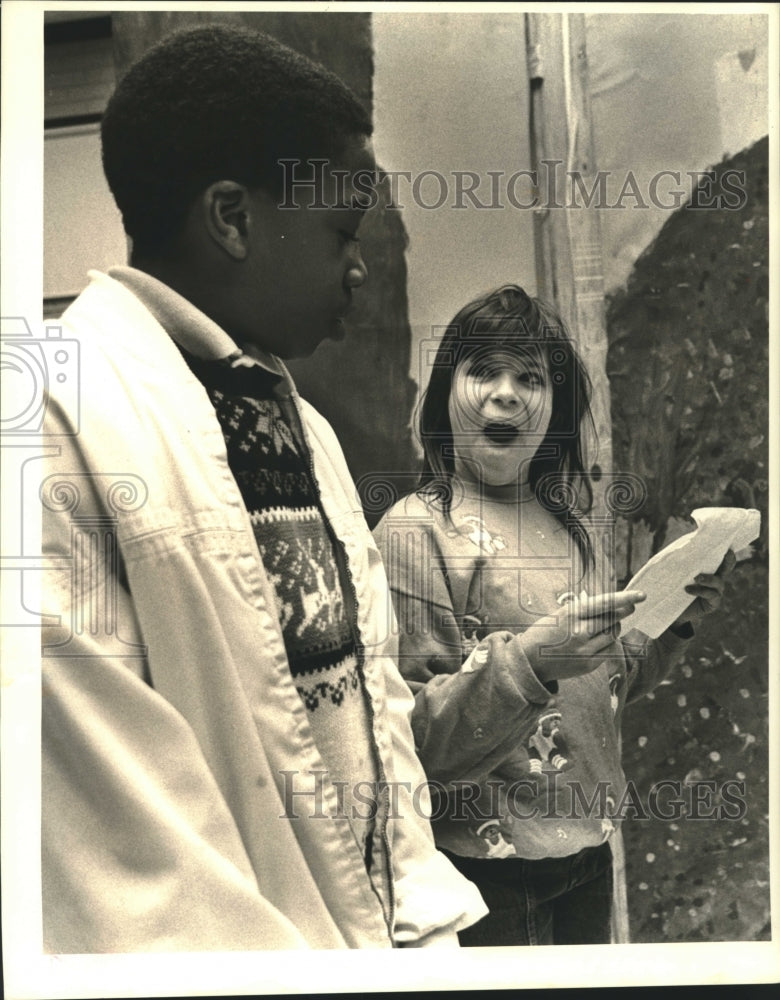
(567,241)
(567,231)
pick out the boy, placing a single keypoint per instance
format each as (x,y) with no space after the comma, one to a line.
(227,759)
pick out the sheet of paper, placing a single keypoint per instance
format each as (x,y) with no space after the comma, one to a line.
(664,577)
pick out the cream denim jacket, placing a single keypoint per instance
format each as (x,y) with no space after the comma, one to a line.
(175,746)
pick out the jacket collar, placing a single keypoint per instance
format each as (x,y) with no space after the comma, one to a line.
(190,328)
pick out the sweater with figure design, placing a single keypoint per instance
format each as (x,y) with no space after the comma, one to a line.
(520,768)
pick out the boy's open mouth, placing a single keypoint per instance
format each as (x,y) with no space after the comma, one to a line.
(500,433)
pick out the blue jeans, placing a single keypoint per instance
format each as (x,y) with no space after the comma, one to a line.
(552,901)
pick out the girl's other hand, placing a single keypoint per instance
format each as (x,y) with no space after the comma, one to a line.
(707,591)
(575,640)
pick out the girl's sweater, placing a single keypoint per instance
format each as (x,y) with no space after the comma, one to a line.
(521,768)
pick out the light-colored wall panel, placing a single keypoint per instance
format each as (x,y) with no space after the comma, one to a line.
(83,227)
(451,94)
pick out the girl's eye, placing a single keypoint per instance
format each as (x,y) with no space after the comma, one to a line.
(485,372)
(482,374)
(348,237)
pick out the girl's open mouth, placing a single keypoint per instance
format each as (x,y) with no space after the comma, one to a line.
(500,433)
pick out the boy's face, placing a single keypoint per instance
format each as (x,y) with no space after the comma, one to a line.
(304,262)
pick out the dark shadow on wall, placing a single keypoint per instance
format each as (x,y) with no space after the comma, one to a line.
(361,384)
(689,372)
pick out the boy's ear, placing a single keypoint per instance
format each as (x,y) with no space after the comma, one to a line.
(225,207)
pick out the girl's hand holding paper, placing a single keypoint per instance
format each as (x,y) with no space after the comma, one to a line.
(707,591)
(670,576)
(573,641)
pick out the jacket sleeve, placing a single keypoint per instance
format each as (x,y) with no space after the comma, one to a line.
(465,723)
(432,899)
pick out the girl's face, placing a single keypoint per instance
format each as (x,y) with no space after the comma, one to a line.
(500,408)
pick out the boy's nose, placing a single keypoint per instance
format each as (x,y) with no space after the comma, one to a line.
(355,276)
(356,273)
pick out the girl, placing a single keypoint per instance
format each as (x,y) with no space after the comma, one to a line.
(519,676)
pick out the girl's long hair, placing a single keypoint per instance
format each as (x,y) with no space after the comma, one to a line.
(508,318)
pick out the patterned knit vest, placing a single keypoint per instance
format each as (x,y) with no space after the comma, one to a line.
(315,598)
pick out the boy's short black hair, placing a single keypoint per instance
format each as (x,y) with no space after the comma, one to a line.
(216,103)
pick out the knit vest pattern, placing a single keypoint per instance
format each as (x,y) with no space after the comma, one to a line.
(273,470)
